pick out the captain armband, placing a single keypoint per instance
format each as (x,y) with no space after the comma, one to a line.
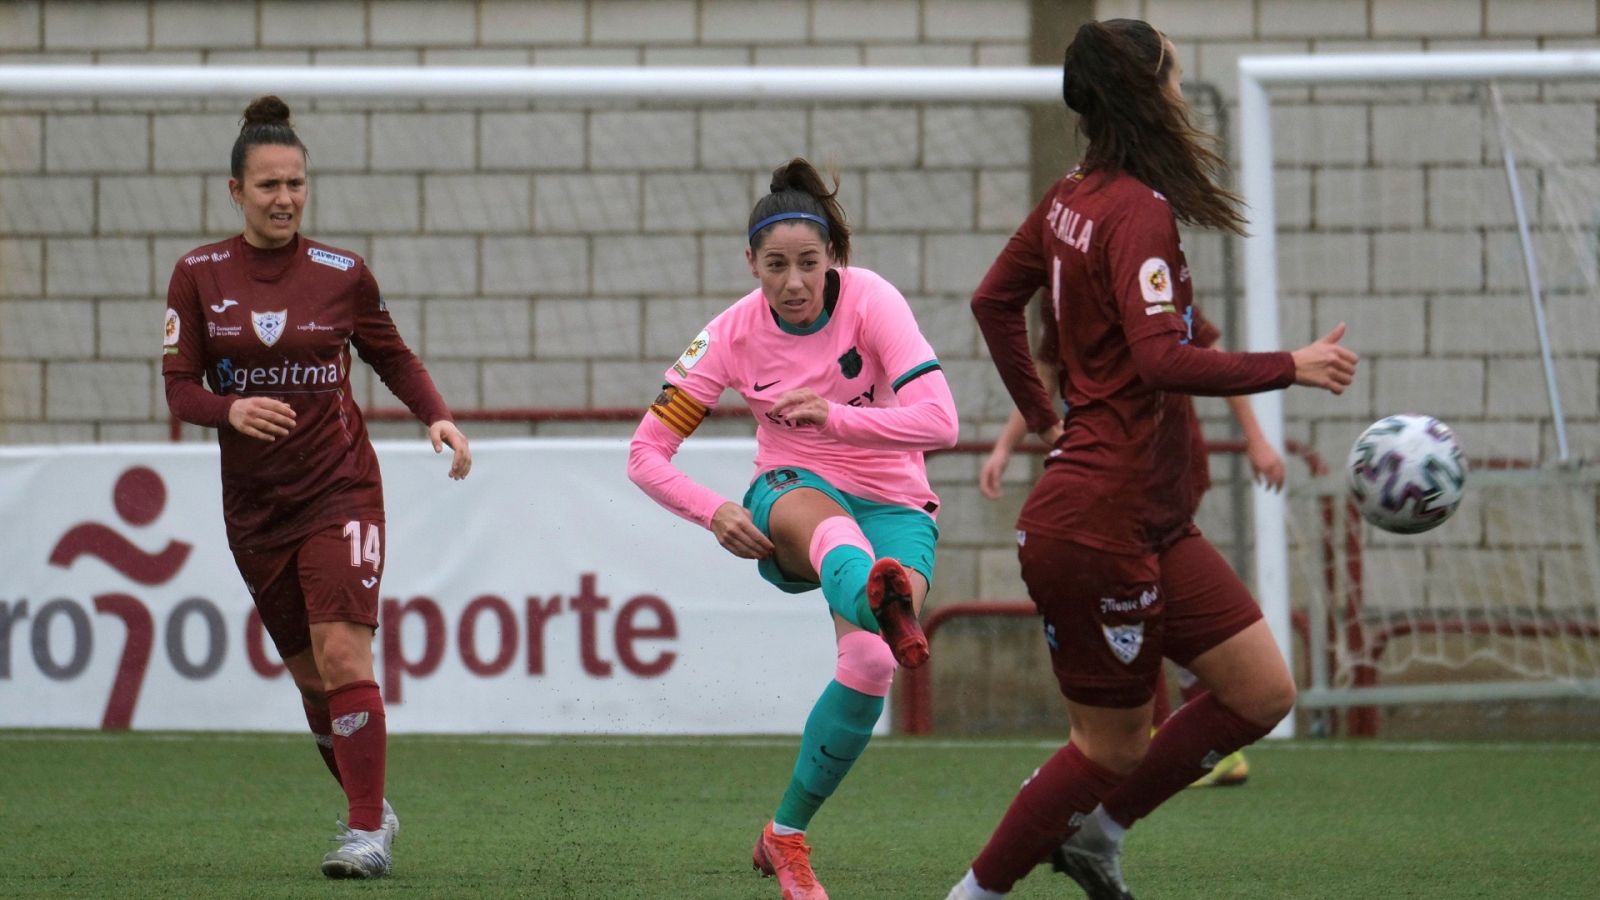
(678,411)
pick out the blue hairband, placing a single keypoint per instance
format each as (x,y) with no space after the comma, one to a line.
(809,217)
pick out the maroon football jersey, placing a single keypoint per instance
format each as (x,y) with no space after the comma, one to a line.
(1125,475)
(280,323)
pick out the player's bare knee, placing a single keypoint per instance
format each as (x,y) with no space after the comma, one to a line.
(1264,704)
(1120,755)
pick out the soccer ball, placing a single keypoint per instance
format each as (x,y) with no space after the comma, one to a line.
(1406,473)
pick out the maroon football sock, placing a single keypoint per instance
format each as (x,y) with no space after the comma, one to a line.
(1193,740)
(1043,814)
(322,729)
(360,745)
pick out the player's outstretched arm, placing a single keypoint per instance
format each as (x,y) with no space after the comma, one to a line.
(1325,364)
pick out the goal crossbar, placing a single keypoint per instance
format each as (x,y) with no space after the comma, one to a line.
(1028,84)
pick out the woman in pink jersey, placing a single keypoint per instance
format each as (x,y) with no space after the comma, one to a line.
(1107,542)
(847,395)
(268,318)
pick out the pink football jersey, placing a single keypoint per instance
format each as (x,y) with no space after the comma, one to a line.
(860,352)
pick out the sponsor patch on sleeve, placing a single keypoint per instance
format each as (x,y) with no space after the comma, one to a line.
(678,411)
(170,338)
(1155,281)
(319,255)
(696,351)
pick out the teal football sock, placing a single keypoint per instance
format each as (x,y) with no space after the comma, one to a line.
(836,733)
(844,584)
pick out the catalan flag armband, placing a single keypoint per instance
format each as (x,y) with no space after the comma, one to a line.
(678,411)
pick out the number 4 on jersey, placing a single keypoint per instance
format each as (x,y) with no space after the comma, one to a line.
(360,550)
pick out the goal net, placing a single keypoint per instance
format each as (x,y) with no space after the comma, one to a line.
(1445,208)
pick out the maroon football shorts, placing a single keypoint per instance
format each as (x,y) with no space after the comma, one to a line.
(330,576)
(1110,618)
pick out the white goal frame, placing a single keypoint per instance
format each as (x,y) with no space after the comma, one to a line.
(1270,510)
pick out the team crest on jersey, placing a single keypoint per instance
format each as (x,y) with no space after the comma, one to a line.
(170,338)
(1155,280)
(319,255)
(269,325)
(692,354)
(1125,640)
(850,363)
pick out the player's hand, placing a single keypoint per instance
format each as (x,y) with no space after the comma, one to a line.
(1052,434)
(993,468)
(1265,464)
(1324,364)
(262,418)
(444,433)
(801,407)
(738,534)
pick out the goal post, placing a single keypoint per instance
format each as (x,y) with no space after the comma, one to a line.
(1378,229)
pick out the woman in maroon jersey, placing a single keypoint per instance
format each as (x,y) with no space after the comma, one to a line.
(1108,547)
(267,318)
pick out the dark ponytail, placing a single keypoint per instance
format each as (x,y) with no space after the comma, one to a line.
(797,187)
(266,121)
(1114,77)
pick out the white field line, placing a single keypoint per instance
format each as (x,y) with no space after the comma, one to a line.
(757,742)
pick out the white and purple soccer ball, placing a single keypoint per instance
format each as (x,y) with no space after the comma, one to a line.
(1406,473)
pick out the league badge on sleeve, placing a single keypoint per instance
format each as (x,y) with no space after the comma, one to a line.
(695,352)
(170,339)
(1155,284)
(269,325)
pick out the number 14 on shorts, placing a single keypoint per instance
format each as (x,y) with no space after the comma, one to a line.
(368,549)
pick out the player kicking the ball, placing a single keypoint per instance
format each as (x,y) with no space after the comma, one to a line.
(847,395)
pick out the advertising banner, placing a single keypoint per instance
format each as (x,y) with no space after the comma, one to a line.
(543,594)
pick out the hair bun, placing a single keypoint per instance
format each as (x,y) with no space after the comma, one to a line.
(268,110)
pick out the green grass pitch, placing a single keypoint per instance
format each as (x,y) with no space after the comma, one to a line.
(86,814)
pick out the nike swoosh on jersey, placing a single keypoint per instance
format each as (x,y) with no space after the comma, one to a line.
(762,387)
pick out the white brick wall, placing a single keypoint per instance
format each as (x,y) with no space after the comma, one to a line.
(425,266)
(742,22)
(587,329)
(643,21)
(21,144)
(472,329)
(87,25)
(477,203)
(587,203)
(866,136)
(649,264)
(941,201)
(536,22)
(97,144)
(196,23)
(149,204)
(527,266)
(33,205)
(1427,18)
